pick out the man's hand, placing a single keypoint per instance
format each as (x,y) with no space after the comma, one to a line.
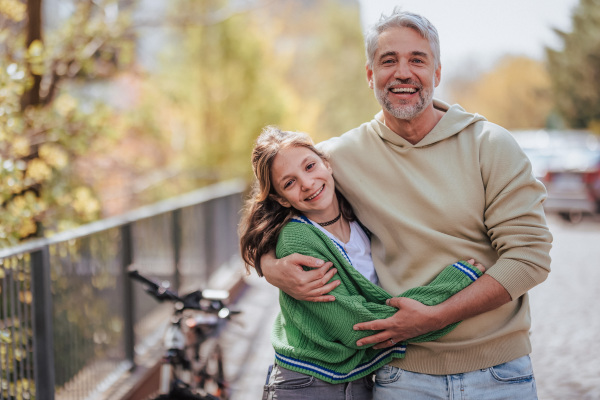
(287,274)
(412,319)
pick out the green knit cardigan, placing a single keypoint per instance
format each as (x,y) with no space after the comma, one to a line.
(318,339)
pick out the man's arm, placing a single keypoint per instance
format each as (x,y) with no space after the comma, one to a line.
(288,275)
(517,230)
(414,318)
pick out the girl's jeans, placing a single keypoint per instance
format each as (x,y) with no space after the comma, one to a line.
(284,384)
(511,380)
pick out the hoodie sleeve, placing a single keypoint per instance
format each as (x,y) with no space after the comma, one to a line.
(514,216)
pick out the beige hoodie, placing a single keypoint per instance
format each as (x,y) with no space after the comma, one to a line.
(466,190)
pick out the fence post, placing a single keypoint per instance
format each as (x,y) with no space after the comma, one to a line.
(234,202)
(126,261)
(43,337)
(210,241)
(176,237)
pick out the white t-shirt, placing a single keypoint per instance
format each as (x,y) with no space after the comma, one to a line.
(358,250)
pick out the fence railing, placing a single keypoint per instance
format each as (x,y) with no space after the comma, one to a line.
(71,321)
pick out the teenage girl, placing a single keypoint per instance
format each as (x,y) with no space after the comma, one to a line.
(295,208)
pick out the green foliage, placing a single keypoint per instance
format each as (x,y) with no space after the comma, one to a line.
(227,70)
(42,135)
(328,69)
(16,333)
(514,94)
(227,73)
(575,69)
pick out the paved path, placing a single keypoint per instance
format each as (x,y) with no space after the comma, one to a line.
(565,328)
(248,348)
(565,317)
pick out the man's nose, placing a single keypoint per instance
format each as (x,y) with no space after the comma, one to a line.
(402,70)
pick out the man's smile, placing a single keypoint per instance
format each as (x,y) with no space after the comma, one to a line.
(403,90)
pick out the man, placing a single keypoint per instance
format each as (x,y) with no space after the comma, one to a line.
(433,184)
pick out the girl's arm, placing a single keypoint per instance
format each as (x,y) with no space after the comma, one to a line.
(352,306)
(335,320)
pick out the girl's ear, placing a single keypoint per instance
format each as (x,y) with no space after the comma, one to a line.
(280,200)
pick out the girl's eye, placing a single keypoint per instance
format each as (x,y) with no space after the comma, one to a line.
(310,166)
(288,184)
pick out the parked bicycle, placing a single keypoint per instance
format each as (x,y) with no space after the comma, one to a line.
(192,366)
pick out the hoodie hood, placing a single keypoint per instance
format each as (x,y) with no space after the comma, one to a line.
(455,120)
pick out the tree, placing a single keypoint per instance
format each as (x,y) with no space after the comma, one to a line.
(327,66)
(227,72)
(228,69)
(44,129)
(215,88)
(575,69)
(514,94)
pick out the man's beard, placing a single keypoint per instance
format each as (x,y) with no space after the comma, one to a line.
(404,110)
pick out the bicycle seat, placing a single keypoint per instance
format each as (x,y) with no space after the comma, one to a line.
(215,294)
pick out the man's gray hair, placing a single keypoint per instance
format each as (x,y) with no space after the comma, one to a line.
(402,19)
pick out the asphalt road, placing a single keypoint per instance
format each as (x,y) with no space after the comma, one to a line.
(565,322)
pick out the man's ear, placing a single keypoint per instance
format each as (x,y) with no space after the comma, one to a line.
(280,200)
(438,75)
(369,76)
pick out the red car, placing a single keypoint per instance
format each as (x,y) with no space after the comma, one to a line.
(568,163)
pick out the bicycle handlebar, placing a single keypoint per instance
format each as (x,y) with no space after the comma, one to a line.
(155,289)
(193,301)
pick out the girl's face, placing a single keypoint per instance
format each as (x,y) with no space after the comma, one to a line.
(304,181)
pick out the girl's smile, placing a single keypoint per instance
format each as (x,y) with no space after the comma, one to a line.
(311,197)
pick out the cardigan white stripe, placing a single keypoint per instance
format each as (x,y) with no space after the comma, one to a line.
(468,272)
(337,376)
(305,220)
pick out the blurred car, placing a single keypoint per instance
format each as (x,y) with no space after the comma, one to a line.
(568,163)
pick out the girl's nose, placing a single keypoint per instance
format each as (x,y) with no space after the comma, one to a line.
(305,183)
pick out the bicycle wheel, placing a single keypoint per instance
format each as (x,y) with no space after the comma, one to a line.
(184,394)
(166,376)
(211,373)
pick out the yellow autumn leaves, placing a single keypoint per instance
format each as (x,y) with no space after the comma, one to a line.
(13,9)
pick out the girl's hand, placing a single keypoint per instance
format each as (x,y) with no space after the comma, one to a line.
(476,264)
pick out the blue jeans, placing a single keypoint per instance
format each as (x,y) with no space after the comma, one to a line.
(284,384)
(508,381)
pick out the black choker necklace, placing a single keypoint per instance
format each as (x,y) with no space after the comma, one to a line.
(333,221)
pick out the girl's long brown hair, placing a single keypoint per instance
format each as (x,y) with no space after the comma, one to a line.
(263,216)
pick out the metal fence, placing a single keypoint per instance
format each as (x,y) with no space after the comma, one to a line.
(70,319)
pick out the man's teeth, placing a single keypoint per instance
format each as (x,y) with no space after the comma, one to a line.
(403,90)
(316,194)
